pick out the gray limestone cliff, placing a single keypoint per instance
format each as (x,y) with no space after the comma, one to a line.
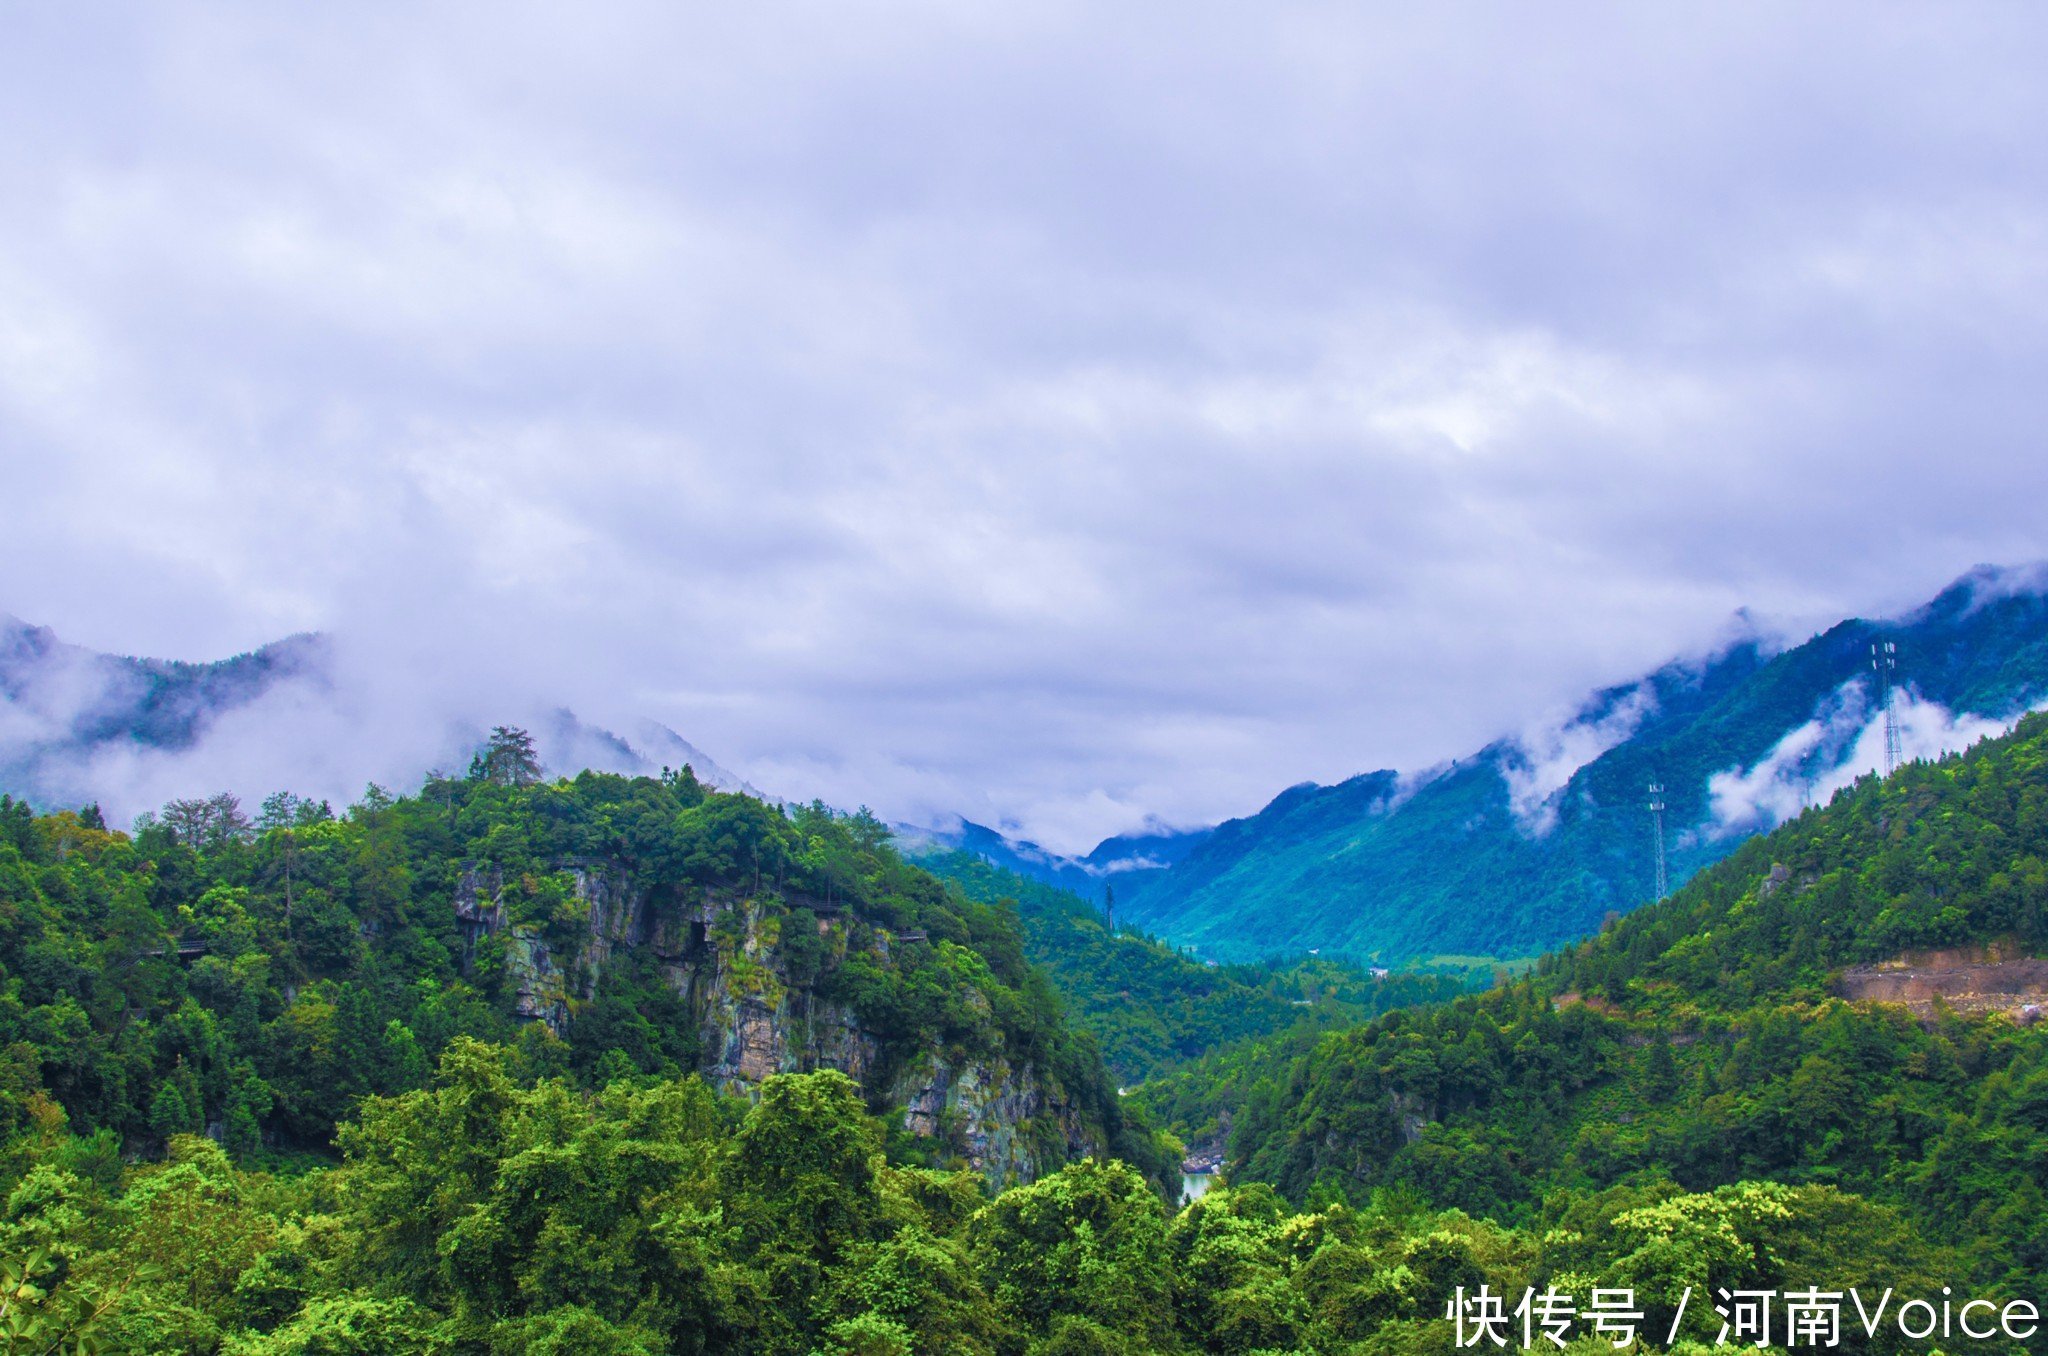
(722,955)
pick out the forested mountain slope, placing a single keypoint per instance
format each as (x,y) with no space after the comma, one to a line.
(257,981)
(1153,1008)
(568,1188)
(1109,867)
(1706,1039)
(62,701)
(1531,843)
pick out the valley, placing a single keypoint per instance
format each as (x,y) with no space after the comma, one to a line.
(322,1080)
(1531,842)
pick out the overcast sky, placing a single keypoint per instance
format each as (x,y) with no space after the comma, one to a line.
(1058,414)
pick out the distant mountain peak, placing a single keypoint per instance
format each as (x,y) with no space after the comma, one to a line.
(1979,587)
(1542,834)
(1121,861)
(77,725)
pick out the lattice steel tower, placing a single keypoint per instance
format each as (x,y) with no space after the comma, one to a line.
(1884,662)
(1657,829)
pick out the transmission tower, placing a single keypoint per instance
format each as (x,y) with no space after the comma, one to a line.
(1657,828)
(1884,662)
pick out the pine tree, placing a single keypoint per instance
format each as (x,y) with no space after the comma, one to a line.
(170,1114)
(506,759)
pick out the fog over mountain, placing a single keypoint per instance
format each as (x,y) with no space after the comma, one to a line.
(1538,837)
(1521,844)
(77,727)
(1068,418)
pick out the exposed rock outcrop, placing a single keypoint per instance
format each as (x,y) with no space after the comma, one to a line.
(720,954)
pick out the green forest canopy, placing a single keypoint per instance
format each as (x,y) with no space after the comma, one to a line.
(1679,1102)
(1700,1041)
(1152,1007)
(259,980)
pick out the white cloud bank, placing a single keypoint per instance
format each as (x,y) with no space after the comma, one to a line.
(1060,415)
(1843,741)
(1539,764)
(320,722)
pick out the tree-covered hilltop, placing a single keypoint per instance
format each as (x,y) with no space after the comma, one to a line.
(1707,1039)
(522,1160)
(1496,856)
(256,980)
(1154,1008)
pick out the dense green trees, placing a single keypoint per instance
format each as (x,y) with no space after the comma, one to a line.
(1702,1041)
(1460,863)
(1152,1007)
(256,1100)
(255,981)
(495,1212)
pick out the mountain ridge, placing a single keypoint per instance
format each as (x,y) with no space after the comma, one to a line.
(1531,841)
(77,724)
(1484,858)
(1854,1000)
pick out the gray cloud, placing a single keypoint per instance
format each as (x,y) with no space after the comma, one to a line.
(1058,415)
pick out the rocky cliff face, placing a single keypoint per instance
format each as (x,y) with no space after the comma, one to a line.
(721,955)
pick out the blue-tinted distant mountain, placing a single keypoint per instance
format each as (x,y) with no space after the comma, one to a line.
(79,726)
(1144,851)
(1534,840)
(62,706)
(1113,863)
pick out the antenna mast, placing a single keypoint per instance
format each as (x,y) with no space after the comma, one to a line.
(1657,827)
(1884,661)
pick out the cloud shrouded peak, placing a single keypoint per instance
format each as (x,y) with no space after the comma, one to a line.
(1069,418)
